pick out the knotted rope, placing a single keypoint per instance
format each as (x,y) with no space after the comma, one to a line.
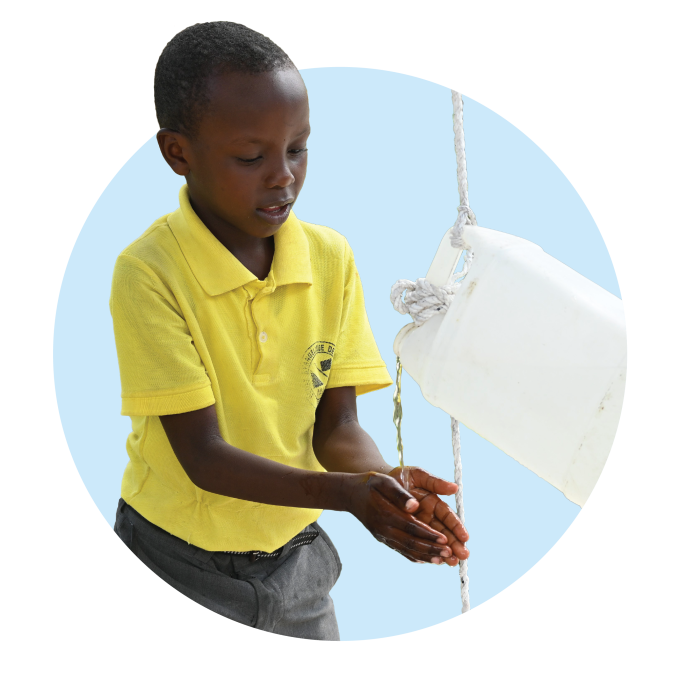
(422,300)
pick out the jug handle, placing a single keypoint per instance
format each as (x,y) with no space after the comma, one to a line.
(445,261)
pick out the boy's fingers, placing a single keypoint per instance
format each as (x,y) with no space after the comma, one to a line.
(436,524)
(424,550)
(417,529)
(409,558)
(451,521)
(396,519)
(459,550)
(412,525)
(442,487)
(395,492)
(450,538)
(434,484)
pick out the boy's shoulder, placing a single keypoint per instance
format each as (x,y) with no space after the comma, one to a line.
(153,245)
(325,243)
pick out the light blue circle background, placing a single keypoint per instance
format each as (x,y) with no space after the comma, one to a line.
(381,172)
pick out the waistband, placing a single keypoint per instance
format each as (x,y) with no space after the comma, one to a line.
(304,538)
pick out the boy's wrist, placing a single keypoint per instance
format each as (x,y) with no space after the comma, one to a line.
(327,490)
(344,486)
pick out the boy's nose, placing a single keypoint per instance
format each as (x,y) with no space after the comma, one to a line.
(281,176)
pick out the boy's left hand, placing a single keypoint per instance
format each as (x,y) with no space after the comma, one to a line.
(433,511)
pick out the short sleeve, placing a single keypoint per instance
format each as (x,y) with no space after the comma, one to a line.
(161,372)
(357,360)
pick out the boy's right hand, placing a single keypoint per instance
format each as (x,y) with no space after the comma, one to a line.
(386,509)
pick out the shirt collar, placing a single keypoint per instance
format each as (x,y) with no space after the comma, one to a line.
(218,271)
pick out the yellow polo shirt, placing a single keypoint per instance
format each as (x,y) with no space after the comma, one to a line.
(194,327)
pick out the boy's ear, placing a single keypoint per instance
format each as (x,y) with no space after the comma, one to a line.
(173,145)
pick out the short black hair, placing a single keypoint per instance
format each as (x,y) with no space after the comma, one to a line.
(196,54)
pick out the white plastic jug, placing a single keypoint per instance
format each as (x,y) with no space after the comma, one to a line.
(530,355)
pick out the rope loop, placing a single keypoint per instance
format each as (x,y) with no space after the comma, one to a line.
(422,299)
(465,216)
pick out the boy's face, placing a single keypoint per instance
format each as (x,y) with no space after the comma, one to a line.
(247,162)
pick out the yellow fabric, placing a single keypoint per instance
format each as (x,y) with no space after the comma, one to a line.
(194,327)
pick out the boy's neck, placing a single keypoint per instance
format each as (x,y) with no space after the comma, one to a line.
(254,253)
(257,258)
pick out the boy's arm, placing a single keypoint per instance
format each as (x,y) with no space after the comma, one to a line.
(340,443)
(376,500)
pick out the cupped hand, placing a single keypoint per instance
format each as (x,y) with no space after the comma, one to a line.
(433,511)
(387,510)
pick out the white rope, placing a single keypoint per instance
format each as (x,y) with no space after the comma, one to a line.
(460,511)
(423,300)
(465,214)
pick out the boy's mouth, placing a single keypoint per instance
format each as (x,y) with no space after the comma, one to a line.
(274,210)
(275,214)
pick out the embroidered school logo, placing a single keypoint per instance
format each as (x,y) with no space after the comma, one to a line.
(316,367)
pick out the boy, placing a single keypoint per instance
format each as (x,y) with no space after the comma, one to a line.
(243,341)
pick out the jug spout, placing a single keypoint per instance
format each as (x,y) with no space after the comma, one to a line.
(413,346)
(400,336)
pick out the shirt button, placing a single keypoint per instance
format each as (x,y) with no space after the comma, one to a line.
(263,337)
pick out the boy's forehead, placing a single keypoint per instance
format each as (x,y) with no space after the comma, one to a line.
(243,102)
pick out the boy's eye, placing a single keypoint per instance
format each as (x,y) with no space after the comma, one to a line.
(250,161)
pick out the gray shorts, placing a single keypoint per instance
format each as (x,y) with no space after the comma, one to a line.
(288,594)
